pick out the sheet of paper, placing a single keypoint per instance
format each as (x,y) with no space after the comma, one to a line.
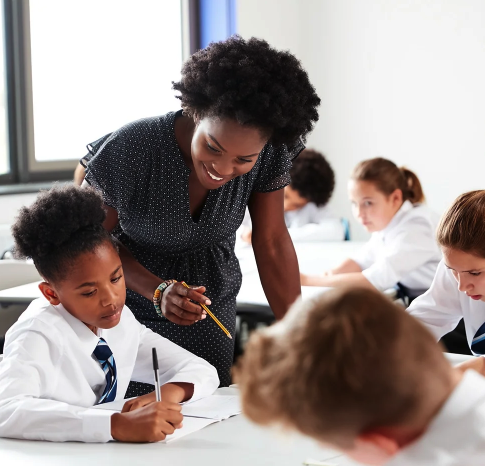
(191,424)
(213,407)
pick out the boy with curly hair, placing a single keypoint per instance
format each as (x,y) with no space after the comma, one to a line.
(307,214)
(79,345)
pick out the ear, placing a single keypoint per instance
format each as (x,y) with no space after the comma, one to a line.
(373,448)
(396,197)
(49,292)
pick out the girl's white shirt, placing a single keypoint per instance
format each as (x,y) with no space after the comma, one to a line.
(442,307)
(405,251)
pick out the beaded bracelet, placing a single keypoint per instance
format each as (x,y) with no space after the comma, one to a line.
(157,296)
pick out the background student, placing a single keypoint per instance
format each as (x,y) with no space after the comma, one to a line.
(383,394)
(307,214)
(388,201)
(79,345)
(458,289)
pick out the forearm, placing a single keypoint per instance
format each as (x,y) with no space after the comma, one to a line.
(347,266)
(278,271)
(177,392)
(137,277)
(26,418)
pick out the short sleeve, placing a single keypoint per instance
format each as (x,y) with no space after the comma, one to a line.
(274,173)
(115,165)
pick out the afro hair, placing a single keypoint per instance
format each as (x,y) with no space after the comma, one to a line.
(61,224)
(312,177)
(252,83)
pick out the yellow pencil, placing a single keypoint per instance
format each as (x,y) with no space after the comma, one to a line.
(206,309)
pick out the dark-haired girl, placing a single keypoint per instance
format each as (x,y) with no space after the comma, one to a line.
(402,251)
(79,345)
(176,188)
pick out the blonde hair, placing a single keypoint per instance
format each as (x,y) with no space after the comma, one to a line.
(347,361)
(388,177)
(462,227)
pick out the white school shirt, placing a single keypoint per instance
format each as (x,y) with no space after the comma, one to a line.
(405,251)
(49,378)
(310,223)
(456,436)
(444,305)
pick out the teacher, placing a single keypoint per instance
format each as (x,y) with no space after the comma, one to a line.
(176,188)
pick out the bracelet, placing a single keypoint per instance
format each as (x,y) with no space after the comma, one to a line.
(157,296)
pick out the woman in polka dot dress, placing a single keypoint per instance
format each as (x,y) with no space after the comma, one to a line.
(176,188)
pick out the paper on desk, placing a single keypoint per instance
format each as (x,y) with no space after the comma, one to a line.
(213,407)
(191,424)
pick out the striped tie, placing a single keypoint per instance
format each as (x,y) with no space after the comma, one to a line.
(478,342)
(105,357)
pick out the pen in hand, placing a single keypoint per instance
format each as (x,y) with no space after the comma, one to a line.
(155,370)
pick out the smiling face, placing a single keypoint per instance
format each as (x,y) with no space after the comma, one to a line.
(371,207)
(223,149)
(468,270)
(93,290)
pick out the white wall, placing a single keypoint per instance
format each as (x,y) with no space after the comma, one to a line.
(402,79)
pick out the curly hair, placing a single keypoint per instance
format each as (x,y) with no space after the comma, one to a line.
(252,83)
(61,224)
(313,177)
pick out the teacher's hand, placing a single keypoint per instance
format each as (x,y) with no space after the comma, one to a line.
(177,306)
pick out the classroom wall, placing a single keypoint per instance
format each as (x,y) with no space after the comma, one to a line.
(402,79)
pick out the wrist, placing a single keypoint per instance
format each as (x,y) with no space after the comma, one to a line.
(157,295)
(177,392)
(117,422)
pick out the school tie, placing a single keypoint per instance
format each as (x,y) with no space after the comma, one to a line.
(105,357)
(478,342)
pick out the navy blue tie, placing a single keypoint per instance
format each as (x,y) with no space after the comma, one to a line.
(478,342)
(105,357)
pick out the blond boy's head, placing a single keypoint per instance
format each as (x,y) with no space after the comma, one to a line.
(342,367)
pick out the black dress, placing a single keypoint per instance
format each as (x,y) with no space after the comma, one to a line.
(141,173)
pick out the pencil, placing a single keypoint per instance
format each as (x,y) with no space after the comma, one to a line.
(206,309)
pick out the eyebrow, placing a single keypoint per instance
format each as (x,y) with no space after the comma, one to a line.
(464,271)
(94,283)
(224,150)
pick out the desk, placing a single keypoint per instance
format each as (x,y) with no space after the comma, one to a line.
(312,257)
(234,442)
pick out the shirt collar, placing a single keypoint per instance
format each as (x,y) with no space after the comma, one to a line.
(445,434)
(87,339)
(398,216)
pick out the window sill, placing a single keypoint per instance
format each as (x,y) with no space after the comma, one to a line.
(28,187)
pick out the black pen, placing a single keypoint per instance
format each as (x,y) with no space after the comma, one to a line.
(155,370)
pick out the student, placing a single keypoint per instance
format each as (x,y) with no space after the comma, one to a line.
(79,345)
(458,289)
(402,250)
(307,214)
(364,377)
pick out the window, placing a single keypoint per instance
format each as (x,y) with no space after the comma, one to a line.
(83,69)
(73,71)
(4,152)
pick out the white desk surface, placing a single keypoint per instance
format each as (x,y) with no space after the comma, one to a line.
(234,442)
(312,257)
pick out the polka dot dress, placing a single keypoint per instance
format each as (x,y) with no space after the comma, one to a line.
(141,173)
